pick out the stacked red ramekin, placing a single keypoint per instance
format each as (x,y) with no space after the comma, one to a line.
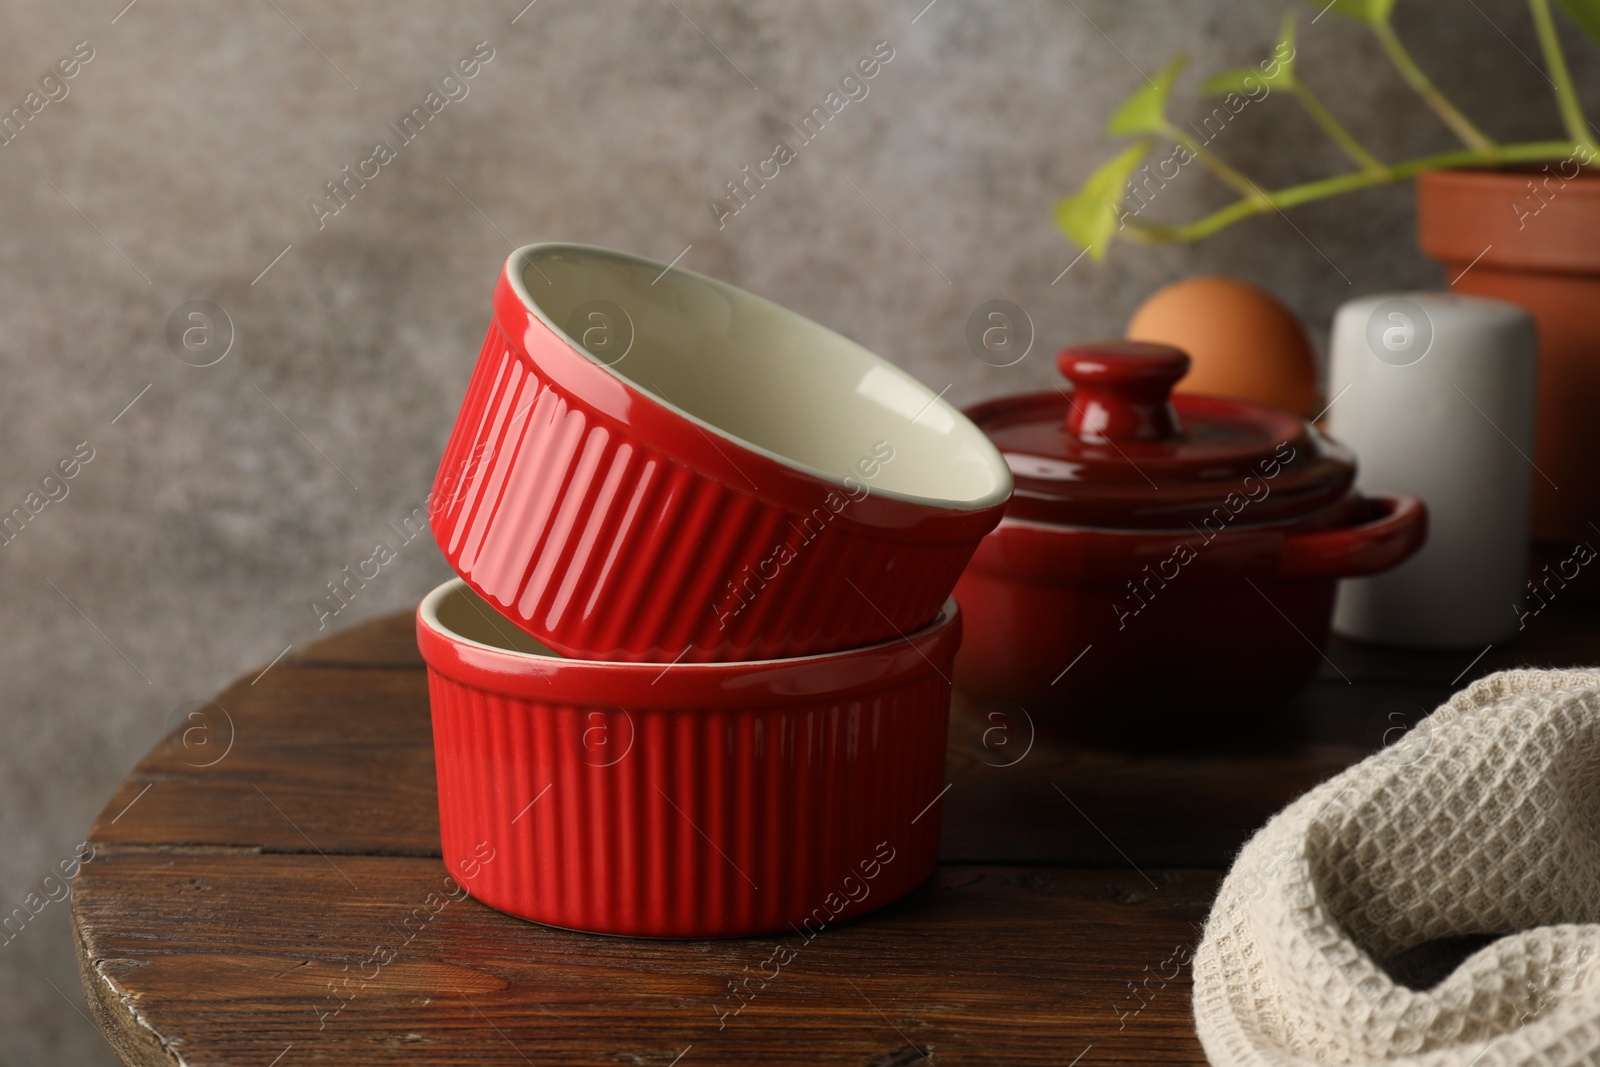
(694,677)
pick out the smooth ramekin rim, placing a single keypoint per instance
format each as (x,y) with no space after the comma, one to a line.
(514,274)
(728,684)
(428,614)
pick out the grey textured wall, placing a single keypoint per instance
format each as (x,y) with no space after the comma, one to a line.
(181,164)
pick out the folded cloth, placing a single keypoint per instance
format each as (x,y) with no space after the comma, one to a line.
(1476,835)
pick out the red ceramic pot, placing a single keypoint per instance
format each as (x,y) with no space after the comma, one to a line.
(711,478)
(1167,570)
(684,800)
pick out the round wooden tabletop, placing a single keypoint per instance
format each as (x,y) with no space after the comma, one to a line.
(265,889)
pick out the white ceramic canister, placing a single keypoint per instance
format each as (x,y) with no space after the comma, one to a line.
(1435,394)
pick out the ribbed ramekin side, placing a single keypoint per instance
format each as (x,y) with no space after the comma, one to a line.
(690,823)
(560,518)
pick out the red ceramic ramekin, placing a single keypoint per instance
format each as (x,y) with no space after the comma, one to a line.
(684,800)
(654,466)
(1167,571)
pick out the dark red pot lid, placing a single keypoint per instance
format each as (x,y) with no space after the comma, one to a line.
(1119,450)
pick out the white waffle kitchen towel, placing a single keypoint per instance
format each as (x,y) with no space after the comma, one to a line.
(1436,905)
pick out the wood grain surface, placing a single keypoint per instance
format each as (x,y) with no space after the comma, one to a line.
(266,890)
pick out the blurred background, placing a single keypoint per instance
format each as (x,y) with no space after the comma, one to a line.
(182,165)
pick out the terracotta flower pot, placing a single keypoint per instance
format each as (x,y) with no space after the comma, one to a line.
(1533,237)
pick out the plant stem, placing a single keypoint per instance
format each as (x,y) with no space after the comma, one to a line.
(1560,78)
(1295,195)
(1469,134)
(1212,162)
(1336,129)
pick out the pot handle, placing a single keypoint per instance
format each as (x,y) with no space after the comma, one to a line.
(1388,530)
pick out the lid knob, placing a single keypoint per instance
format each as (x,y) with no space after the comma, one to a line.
(1123,390)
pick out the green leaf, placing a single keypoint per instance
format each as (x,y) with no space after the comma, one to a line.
(1371,12)
(1090,216)
(1586,13)
(1238,80)
(1277,70)
(1279,67)
(1146,110)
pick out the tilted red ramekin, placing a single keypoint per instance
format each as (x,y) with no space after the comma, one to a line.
(684,800)
(725,480)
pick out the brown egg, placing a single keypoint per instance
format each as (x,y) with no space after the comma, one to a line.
(1244,342)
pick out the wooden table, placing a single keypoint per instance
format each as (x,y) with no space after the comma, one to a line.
(250,878)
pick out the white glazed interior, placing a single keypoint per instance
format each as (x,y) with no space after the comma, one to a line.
(455,610)
(768,378)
